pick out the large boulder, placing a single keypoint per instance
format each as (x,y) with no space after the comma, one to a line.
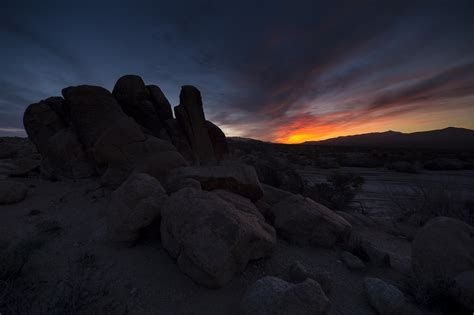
(273,296)
(304,221)
(41,122)
(190,115)
(48,126)
(218,140)
(93,110)
(212,238)
(238,178)
(135,99)
(133,206)
(160,102)
(12,192)
(383,297)
(442,249)
(65,158)
(180,140)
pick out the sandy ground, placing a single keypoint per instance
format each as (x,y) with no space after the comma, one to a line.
(69,218)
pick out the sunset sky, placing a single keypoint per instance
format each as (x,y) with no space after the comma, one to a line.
(284,71)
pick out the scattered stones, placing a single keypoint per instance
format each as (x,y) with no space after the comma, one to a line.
(212,238)
(299,273)
(351,261)
(272,295)
(134,206)
(12,192)
(442,249)
(304,221)
(383,297)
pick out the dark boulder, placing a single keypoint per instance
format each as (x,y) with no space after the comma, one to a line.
(135,99)
(212,238)
(218,140)
(160,102)
(190,115)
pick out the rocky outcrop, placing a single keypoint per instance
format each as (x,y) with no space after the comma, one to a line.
(12,192)
(48,126)
(210,237)
(272,295)
(94,132)
(190,115)
(218,140)
(137,102)
(133,206)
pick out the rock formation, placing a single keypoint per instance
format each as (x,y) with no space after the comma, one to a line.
(90,131)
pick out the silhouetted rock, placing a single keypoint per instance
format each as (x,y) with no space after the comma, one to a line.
(93,110)
(304,221)
(65,158)
(238,178)
(273,296)
(442,249)
(180,140)
(12,192)
(135,99)
(211,238)
(41,123)
(190,116)
(218,140)
(47,126)
(133,206)
(160,102)
(383,297)
(94,132)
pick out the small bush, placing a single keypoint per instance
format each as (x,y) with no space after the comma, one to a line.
(339,190)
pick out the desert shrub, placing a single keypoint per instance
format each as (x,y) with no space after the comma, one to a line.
(338,191)
(432,201)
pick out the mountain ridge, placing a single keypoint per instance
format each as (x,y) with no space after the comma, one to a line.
(452,138)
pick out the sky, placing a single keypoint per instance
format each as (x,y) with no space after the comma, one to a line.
(282,71)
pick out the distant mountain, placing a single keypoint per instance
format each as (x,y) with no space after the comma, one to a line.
(449,138)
